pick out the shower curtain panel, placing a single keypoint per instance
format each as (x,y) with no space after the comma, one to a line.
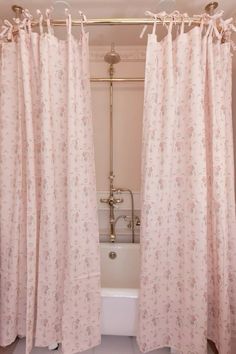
(188,233)
(50,272)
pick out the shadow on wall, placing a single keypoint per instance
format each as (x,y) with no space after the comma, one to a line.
(211,347)
(234,110)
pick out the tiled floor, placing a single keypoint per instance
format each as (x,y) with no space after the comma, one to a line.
(109,345)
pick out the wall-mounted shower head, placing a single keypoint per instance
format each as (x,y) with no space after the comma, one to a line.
(112,57)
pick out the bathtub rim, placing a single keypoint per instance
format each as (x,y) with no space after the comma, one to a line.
(120,292)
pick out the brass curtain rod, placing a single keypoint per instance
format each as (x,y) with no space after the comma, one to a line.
(122,21)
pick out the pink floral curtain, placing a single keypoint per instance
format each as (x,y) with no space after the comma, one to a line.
(49,244)
(188,233)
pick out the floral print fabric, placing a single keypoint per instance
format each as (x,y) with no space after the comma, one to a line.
(49,244)
(188,233)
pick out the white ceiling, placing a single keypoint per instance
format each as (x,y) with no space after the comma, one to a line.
(121,35)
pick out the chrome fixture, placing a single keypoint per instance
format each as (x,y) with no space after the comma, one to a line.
(112,58)
(120,190)
(112,255)
(137,222)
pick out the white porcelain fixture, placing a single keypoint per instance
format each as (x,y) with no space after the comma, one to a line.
(120,264)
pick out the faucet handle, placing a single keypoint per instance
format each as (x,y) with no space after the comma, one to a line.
(104,200)
(118,200)
(116,190)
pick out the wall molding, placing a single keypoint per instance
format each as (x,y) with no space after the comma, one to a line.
(127,53)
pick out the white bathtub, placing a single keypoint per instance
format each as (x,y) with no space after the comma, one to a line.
(120,283)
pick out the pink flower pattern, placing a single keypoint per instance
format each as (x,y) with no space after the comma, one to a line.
(49,245)
(188,230)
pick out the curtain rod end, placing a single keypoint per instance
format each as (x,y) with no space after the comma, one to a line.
(211,7)
(18,10)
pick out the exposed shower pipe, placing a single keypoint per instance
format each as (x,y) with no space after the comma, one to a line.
(112,58)
(120,190)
